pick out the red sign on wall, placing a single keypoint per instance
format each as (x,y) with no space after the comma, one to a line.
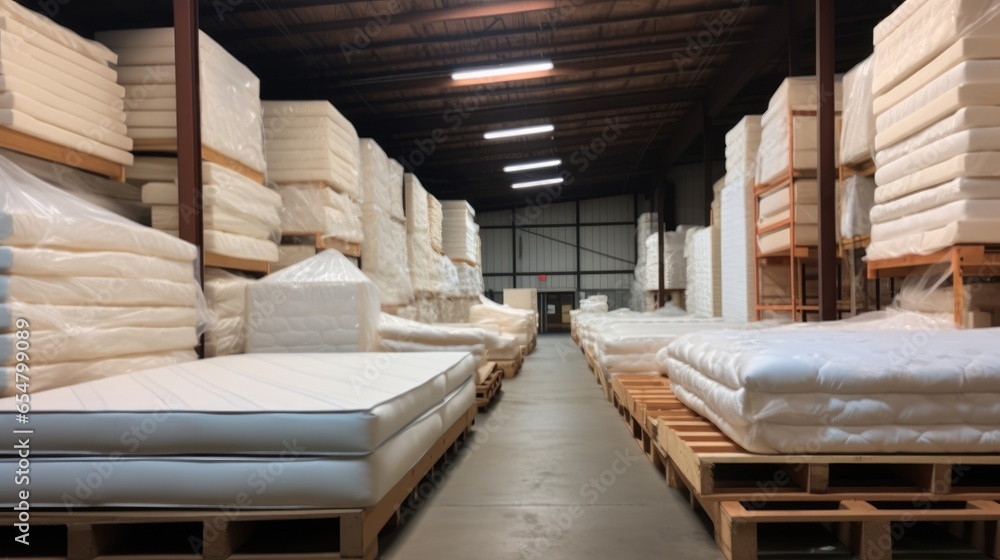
(542,277)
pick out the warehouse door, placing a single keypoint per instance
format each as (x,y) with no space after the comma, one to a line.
(556,310)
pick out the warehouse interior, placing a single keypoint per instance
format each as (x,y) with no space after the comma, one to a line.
(408,279)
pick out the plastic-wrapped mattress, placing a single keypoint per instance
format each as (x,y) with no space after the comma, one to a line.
(857,133)
(703,294)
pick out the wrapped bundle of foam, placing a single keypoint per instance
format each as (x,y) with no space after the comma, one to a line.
(323,304)
(242,218)
(381,180)
(857,132)
(447,277)
(704,284)
(737,228)
(594,304)
(435,216)
(425,272)
(470,280)
(60,87)
(312,208)
(674,264)
(645,226)
(937,112)
(99,294)
(459,231)
(401,335)
(385,259)
(396,180)
(857,197)
(227,295)
(777,148)
(230,94)
(311,142)
(775,207)
(517,322)
(121,198)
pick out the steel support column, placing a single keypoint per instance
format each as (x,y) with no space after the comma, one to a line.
(661,217)
(827,170)
(188,124)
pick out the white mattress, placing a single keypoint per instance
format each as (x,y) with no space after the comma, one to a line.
(240,246)
(857,132)
(938,217)
(843,391)
(967,73)
(20,122)
(79,318)
(385,256)
(979,164)
(282,109)
(45,377)
(964,119)
(78,82)
(41,25)
(920,30)
(942,106)
(88,343)
(108,291)
(246,405)
(217,218)
(781,239)
(631,347)
(220,186)
(90,113)
(778,201)
(703,295)
(322,304)
(305,480)
(929,241)
(67,264)
(956,189)
(967,141)
(226,292)
(54,51)
(969,48)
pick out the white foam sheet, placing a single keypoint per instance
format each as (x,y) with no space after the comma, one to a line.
(152,169)
(60,114)
(55,51)
(220,185)
(51,347)
(844,389)
(938,217)
(954,190)
(375,189)
(781,239)
(307,481)
(244,405)
(108,291)
(322,304)
(981,72)
(942,107)
(20,122)
(459,231)
(226,292)
(919,31)
(214,218)
(966,141)
(423,261)
(44,26)
(397,328)
(45,377)
(68,317)
(77,83)
(964,119)
(968,48)
(703,293)
(385,255)
(435,213)
(927,241)
(45,89)
(779,201)
(69,264)
(857,197)
(857,132)
(978,164)
(279,109)
(240,246)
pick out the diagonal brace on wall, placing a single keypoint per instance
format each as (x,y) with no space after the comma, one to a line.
(575,246)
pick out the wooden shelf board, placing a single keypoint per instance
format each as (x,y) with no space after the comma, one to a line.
(50,151)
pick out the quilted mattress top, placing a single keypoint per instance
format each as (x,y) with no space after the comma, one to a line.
(329,404)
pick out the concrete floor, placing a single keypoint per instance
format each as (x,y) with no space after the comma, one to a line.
(551,473)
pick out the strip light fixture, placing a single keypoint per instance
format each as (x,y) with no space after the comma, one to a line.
(501,70)
(539,183)
(524,131)
(533,165)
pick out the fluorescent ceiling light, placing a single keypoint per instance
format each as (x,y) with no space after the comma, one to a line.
(532,165)
(501,70)
(519,131)
(539,183)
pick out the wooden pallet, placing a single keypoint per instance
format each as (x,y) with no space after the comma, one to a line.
(347,248)
(511,368)
(169,146)
(869,528)
(490,388)
(257,534)
(50,151)
(233,263)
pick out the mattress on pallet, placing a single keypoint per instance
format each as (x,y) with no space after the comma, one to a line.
(967,141)
(940,108)
(925,242)
(632,347)
(737,262)
(215,218)
(918,31)
(778,202)
(332,404)
(781,239)
(964,119)
(939,217)
(302,477)
(927,199)
(25,124)
(240,246)
(703,295)
(972,165)
(53,263)
(845,388)
(386,260)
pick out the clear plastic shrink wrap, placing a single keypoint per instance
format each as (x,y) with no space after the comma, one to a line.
(385,258)
(375,176)
(857,197)
(424,265)
(435,213)
(857,132)
(230,93)
(323,304)
(101,294)
(320,209)
(226,293)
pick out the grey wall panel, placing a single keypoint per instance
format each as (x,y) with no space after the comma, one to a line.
(617,287)
(610,209)
(499,218)
(546,249)
(607,247)
(497,284)
(552,283)
(498,250)
(689,201)
(562,213)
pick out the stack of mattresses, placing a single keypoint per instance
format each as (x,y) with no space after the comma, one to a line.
(517,322)
(385,258)
(703,295)
(857,133)
(645,226)
(937,105)
(424,261)
(402,335)
(737,221)
(226,294)
(459,231)
(674,263)
(61,88)
(241,218)
(100,295)
(629,347)
(342,435)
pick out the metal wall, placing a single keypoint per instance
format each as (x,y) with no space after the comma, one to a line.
(592,255)
(689,191)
